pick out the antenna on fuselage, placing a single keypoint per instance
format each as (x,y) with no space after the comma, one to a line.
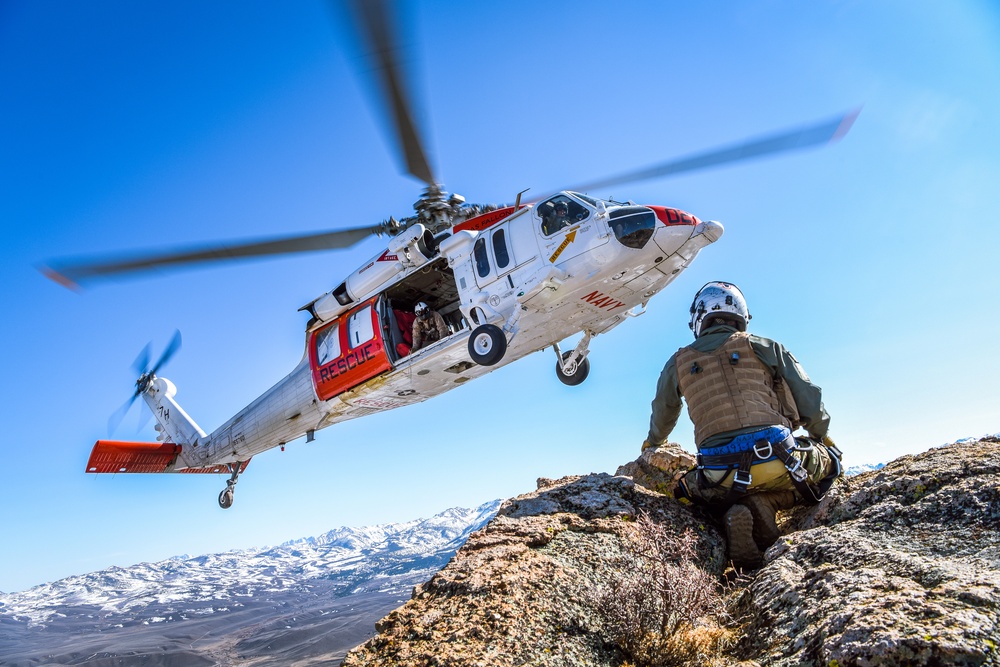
(517,202)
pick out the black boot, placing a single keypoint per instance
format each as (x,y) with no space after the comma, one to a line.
(743,550)
(764,507)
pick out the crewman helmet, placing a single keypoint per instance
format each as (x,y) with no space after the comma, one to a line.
(718,299)
(420,309)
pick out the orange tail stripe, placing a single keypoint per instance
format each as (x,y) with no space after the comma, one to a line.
(113,456)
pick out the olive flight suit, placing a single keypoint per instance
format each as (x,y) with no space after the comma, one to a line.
(427,330)
(745,395)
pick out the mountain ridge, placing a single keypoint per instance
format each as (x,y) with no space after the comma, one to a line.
(300,586)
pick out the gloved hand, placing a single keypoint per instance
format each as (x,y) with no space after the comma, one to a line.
(834,449)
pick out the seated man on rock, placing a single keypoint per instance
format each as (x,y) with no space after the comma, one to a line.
(745,395)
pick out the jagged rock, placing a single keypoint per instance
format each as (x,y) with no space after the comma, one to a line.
(521,591)
(658,467)
(899,566)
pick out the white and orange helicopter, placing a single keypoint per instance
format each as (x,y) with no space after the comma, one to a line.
(507,280)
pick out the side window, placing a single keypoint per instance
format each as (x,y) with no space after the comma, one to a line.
(359,327)
(482,260)
(328,344)
(500,249)
(559,212)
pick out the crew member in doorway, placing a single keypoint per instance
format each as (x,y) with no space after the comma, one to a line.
(428,327)
(746,395)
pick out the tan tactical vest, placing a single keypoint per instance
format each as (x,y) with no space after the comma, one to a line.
(730,389)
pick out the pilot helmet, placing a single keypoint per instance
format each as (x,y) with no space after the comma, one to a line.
(421,309)
(718,299)
(563,206)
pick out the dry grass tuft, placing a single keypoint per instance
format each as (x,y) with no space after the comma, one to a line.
(660,608)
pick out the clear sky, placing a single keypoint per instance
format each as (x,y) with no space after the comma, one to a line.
(127,126)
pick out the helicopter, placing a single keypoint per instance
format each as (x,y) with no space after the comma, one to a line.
(505,280)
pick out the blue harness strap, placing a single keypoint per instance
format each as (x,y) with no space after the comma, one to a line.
(748,442)
(776,442)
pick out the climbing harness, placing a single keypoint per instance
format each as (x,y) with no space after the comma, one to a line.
(776,442)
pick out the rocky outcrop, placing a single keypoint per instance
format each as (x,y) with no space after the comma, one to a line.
(895,567)
(522,590)
(899,566)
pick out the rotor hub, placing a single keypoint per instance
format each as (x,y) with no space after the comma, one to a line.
(437,209)
(142,384)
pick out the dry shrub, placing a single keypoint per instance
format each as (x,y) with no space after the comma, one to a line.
(659,607)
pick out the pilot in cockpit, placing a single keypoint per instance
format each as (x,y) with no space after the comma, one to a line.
(555,217)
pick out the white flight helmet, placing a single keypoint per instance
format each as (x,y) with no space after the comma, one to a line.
(420,309)
(718,298)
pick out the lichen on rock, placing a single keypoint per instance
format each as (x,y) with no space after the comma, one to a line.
(899,566)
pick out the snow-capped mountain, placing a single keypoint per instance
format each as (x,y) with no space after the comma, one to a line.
(868,467)
(307,576)
(864,467)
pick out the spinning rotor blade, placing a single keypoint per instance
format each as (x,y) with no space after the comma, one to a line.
(805,137)
(141,363)
(115,420)
(172,347)
(374,26)
(141,366)
(72,274)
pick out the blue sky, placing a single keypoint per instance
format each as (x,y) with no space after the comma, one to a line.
(128,126)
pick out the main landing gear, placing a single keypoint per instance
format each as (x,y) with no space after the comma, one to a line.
(573,367)
(226,497)
(487,344)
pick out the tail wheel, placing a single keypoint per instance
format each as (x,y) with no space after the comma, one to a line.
(226,498)
(575,374)
(487,345)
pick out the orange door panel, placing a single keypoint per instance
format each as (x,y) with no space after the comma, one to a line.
(348,351)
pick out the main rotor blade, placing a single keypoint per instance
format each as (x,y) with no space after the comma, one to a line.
(72,274)
(826,132)
(374,26)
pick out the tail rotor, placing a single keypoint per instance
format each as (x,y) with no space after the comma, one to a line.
(146,375)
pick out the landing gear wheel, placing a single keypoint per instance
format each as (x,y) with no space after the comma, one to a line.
(487,344)
(226,497)
(577,373)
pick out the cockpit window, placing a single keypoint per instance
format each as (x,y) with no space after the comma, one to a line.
(589,200)
(559,212)
(633,225)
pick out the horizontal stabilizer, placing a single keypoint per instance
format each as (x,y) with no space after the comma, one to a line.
(113,456)
(117,456)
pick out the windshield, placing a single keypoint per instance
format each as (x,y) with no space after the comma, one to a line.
(593,202)
(589,200)
(633,225)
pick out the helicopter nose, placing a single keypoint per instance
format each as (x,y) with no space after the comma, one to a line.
(674,216)
(684,232)
(712,229)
